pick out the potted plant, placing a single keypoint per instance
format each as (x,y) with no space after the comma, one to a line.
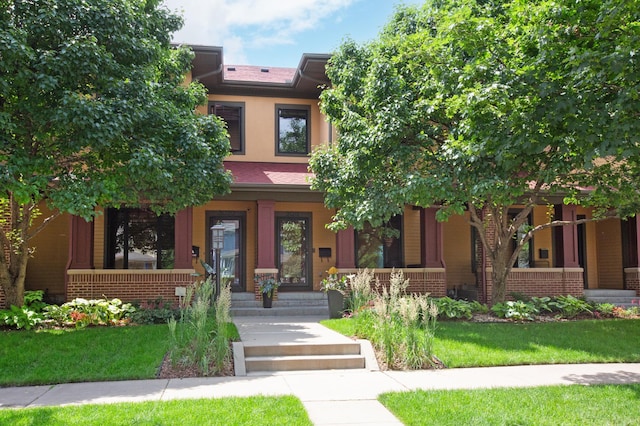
(267,287)
(335,287)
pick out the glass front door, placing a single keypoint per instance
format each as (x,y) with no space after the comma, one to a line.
(294,259)
(232,254)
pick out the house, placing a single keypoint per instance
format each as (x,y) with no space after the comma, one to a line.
(275,224)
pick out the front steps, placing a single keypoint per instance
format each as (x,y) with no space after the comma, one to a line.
(292,357)
(623,298)
(287,304)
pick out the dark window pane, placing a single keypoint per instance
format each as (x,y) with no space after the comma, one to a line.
(232,115)
(292,131)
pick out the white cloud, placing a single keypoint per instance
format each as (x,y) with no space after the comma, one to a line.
(242,24)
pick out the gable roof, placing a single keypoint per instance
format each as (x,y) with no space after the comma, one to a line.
(305,81)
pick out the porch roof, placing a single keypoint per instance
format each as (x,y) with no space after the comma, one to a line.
(269,174)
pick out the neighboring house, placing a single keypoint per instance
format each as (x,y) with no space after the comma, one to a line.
(275,224)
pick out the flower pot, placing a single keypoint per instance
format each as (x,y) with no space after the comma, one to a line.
(267,300)
(336,303)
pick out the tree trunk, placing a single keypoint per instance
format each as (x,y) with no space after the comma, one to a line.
(499,275)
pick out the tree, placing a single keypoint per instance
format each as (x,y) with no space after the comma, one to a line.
(94,111)
(480,105)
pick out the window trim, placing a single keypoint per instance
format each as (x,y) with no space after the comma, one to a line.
(241,106)
(299,107)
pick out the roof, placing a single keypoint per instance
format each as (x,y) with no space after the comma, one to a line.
(268,174)
(305,81)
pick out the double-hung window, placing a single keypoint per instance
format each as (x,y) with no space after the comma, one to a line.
(233,114)
(293,130)
(374,249)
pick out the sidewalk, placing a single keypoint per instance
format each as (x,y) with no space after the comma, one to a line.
(330,397)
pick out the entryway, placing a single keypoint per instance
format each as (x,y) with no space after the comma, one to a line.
(232,256)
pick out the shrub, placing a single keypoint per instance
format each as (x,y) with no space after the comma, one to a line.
(400,326)
(82,312)
(28,315)
(570,307)
(453,309)
(157,311)
(517,310)
(361,293)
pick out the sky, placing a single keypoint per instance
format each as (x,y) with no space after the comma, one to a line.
(277,32)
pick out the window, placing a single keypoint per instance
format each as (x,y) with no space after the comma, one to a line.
(374,250)
(138,239)
(525,257)
(292,129)
(233,114)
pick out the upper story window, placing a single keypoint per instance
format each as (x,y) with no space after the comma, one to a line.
(293,129)
(138,239)
(375,250)
(233,114)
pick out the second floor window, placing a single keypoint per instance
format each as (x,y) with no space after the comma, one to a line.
(292,130)
(233,114)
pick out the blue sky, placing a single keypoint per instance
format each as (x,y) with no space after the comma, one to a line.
(277,32)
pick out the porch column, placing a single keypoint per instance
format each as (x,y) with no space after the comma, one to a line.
(345,249)
(266,234)
(80,243)
(183,239)
(567,244)
(431,237)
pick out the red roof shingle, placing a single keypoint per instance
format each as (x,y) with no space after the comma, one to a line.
(268,173)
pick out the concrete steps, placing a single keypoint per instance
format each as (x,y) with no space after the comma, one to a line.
(286,304)
(273,345)
(290,357)
(624,298)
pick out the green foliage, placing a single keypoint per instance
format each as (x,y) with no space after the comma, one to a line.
(401,327)
(157,311)
(517,310)
(200,336)
(28,316)
(480,105)
(453,309)
(267,284)
(94,111)
(570,306)
(360,290)
(83,312)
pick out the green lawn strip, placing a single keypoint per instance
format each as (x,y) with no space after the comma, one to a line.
(468,344)
(258,410)
(91,354)
(553,405)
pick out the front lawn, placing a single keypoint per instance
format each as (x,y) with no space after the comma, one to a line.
(553,405)
(470,344)
(259,410)
(89,354)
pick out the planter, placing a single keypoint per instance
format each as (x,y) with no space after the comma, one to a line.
(267,299)
(336,303)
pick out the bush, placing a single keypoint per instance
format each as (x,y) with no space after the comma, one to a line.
(28,316)
(570,307)
(158,311)
(82,312)
(453,309)
(401,327)
(517,310)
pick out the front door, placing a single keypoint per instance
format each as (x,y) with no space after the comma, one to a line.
(294,260)
(232,254)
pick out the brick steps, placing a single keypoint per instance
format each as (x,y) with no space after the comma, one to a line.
(286,304)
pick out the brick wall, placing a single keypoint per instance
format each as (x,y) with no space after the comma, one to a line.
(260,274)
(421,280)
(540,282)
(632,279)
(127,285)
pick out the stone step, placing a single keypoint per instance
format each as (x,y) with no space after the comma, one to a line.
(280,302)
(281,311)
(603,292)
(303,362)
(303,349)
(623,298)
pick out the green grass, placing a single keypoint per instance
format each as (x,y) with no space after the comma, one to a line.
(466,344)
(553,405)
(91,354)
(260,410)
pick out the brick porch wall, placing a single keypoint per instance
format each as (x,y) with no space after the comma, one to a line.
(421,280)
(127,285)
(632,279)
(260,274)
(541,282)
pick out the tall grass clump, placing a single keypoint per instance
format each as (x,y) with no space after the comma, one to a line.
(400,326)
(199,338)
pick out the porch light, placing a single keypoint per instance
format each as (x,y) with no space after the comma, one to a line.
(217,237)
(217,244)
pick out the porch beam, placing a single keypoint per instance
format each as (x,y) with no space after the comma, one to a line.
(183,239)
(345,249)
(80,243)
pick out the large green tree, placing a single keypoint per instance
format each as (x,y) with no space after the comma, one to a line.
(94,111)
(480,105)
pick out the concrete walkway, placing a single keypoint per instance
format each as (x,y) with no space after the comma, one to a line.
(337,397)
